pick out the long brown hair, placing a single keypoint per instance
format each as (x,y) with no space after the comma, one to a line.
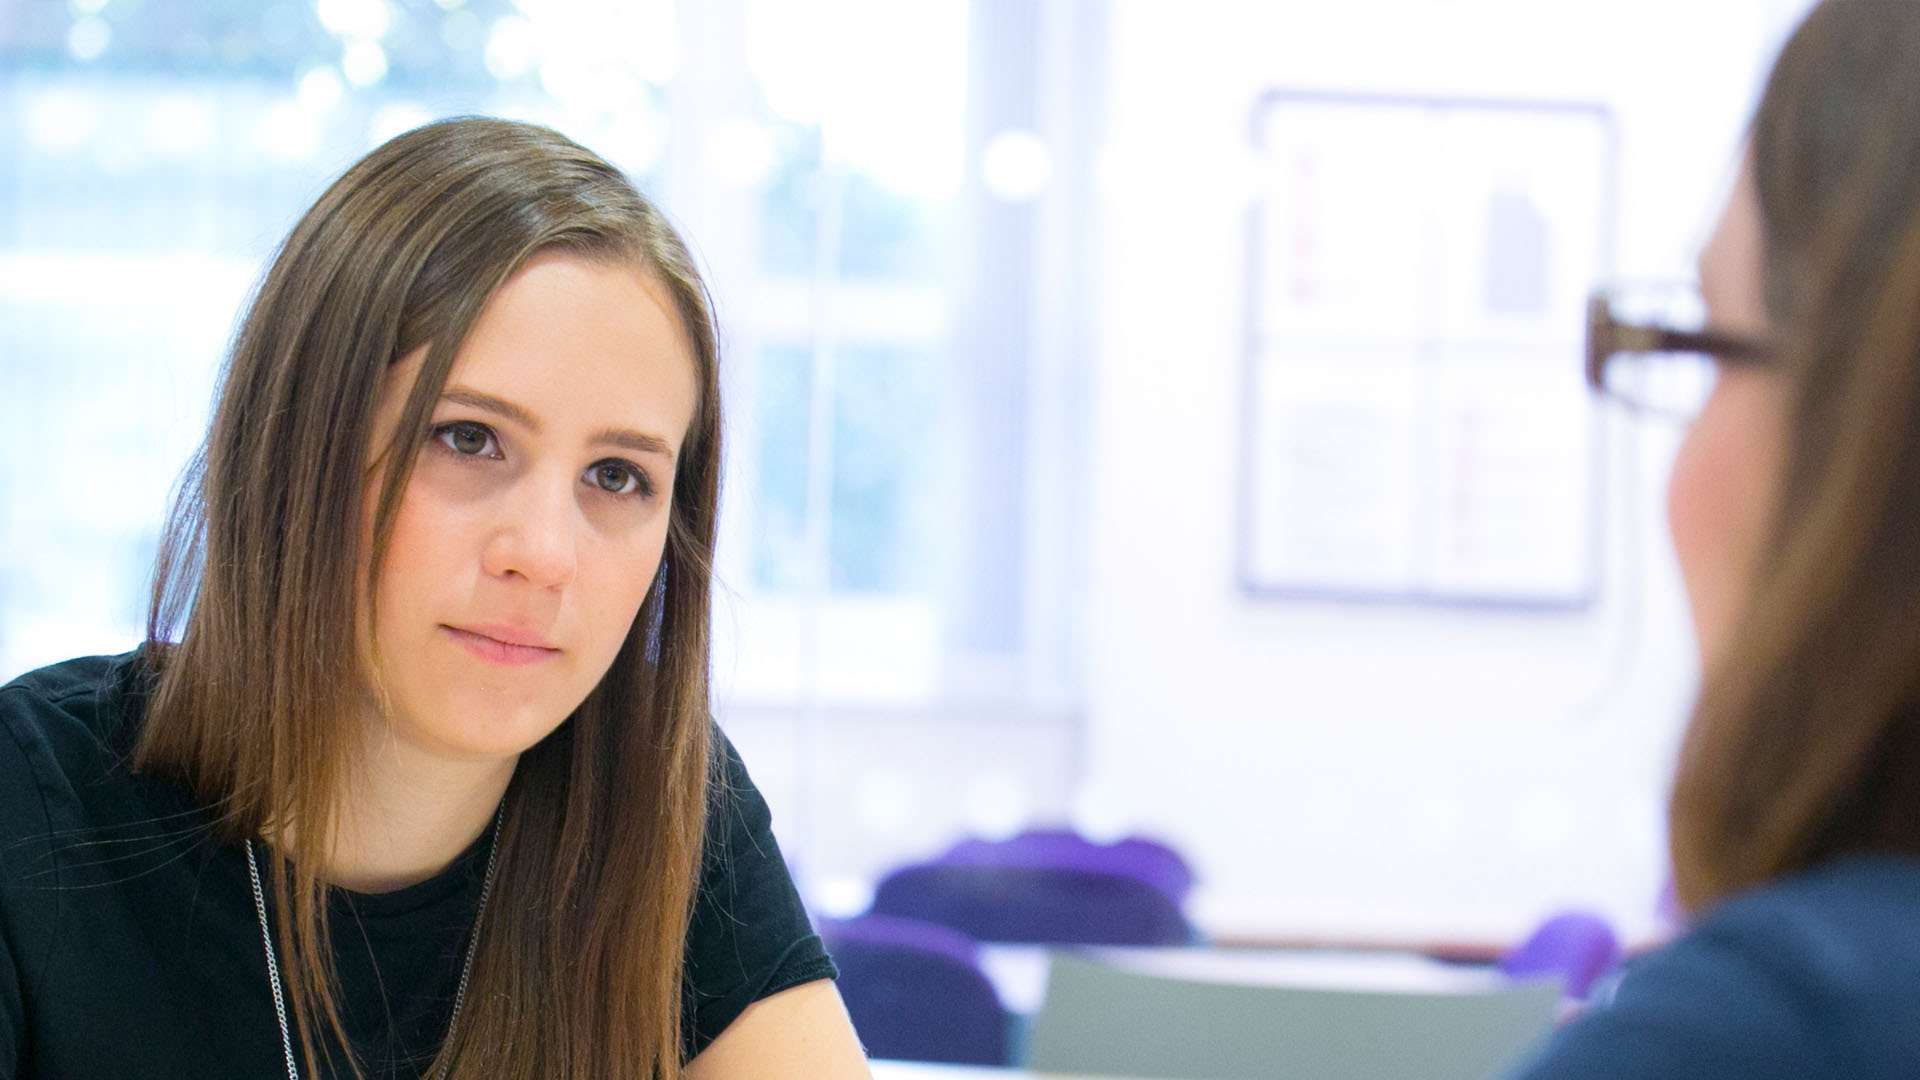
(1805,744)
(578,968)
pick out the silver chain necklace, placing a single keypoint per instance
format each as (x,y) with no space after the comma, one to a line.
(273,963)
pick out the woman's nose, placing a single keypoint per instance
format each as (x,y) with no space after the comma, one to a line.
(537,537)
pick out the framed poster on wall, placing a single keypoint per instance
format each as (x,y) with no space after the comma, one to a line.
(1416,426)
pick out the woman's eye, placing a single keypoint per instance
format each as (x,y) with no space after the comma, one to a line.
(471,440)
(619,478)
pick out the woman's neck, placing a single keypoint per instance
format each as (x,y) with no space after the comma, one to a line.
(406,814)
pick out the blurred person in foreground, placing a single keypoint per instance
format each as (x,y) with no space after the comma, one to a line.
(415,774)
(1795,512)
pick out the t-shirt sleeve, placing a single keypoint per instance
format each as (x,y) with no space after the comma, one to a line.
(1729,1000)
(750,937)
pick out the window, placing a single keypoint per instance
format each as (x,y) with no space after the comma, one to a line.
(864,182)
(825,160)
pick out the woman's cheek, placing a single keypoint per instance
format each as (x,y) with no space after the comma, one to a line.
(440,475)
(1691,518)
(1720,501)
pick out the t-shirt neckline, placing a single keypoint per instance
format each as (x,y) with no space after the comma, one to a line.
(462,876)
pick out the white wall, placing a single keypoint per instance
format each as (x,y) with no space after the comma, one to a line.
(1382,772)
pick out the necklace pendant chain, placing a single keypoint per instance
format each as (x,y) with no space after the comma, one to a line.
(273,963)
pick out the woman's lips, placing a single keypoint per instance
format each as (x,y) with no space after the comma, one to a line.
(495,651)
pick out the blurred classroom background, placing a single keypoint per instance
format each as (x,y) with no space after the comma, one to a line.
(1144,418)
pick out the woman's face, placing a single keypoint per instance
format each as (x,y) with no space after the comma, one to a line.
(1720,500)
(533,524)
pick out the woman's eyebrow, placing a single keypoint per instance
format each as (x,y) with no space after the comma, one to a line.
(638,442)
(625,438)
(460,395)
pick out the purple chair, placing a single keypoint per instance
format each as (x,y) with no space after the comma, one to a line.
(1578,946)
(915,991)
(1148,860)
(1048,888)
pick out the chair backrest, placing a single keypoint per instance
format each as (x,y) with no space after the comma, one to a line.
(1578,946)
(915,991)
(1136,856)
(1101,1018)
(1034,904)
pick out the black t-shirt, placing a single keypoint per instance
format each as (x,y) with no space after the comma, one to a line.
(129,943)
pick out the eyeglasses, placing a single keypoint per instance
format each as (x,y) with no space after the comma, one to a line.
(1660,364)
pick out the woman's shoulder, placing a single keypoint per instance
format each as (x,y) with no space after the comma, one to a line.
(1828,899)
(1842,937)
(75,710)
(66,736)
(731,793)
(1810,976)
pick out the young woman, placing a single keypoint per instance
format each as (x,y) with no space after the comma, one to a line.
(1795,508)
(415,774)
